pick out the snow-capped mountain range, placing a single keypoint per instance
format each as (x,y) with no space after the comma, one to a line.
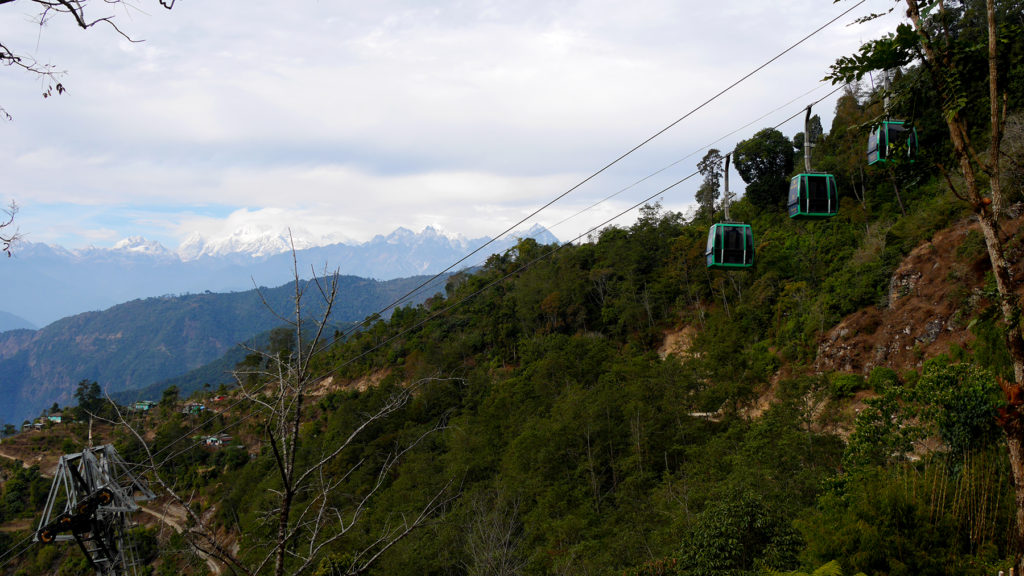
(44,283)
(263,242)
(254,240)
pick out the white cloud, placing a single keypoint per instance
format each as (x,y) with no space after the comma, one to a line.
(363,117)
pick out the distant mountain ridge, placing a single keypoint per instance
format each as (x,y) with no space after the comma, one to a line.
(10,321)
(44,283)
(138,343)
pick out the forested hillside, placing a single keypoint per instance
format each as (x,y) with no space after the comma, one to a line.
(145,341)
(615,407)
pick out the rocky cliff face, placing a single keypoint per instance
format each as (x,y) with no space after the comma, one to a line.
(933,295)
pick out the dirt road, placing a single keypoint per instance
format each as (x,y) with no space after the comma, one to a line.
(176,518)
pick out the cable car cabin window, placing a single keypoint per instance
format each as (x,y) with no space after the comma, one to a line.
(873,148)
(730,246)
(813,196)
(890,141)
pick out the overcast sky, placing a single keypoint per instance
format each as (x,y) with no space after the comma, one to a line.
(350,119)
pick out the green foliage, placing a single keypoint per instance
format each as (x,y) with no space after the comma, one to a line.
(765,163)
(842,385)
(954,402)
(710,168)
(882,432)
(145,542)
(24,492)
(334,565)
(833,568)
(44,560)
(659,567)
(990,342)
(882,378)
(736,536)
(972,246)
(961,400)
(89,397)
(169,398)
(914,519)
(75,565)
(890,52)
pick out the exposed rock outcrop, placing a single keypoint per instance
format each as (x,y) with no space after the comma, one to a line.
(932,295)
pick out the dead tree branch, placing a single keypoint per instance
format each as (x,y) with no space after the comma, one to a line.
(75,10)
(7,239)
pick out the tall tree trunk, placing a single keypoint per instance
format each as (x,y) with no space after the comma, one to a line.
(988,210)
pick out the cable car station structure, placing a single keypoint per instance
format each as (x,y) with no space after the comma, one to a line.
(91,500)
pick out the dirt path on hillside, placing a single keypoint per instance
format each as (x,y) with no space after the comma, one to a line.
(173,518)
(13,457)
(19,525)
(176,518)
(47,463)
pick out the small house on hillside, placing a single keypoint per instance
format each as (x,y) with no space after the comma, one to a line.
(143,405)
(217,441)
(56,417)
(193,408)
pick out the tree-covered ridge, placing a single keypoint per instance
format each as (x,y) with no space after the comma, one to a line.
(611,456)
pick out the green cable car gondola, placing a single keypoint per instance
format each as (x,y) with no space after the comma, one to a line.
(812,194)
(730,244)
(892,140)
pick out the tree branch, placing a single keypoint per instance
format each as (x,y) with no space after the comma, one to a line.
(8,239)
(74,10)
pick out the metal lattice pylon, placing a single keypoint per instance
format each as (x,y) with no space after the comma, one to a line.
(91,500)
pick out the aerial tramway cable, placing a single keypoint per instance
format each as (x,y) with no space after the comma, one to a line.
(541,257)
(619,159)
(690,155)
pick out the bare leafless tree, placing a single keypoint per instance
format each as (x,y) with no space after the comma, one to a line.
(494,537)
(8,238)
(309,517)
